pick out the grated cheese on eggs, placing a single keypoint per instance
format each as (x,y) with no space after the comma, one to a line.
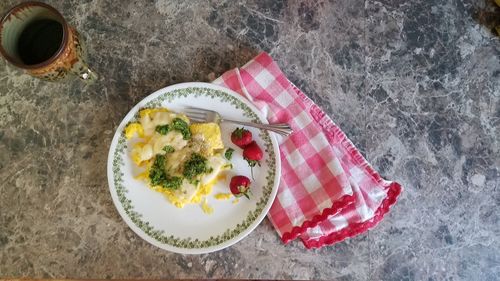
(205,140)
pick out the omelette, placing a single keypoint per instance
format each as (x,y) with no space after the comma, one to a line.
(180,159)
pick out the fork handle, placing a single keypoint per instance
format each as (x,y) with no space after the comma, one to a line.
(280,128)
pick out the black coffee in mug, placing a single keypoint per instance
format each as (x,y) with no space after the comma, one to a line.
(39,41)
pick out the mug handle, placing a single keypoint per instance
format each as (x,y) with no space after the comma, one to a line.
(83,72)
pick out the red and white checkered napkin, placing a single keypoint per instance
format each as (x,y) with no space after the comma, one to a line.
(328,192)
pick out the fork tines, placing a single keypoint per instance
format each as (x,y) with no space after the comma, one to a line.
(196,114)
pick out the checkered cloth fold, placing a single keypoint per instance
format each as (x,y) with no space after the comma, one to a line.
(328,192)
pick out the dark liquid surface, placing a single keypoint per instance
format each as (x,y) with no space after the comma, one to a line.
(39,41)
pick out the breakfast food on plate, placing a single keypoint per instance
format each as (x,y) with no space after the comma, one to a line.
(223,196)
(252,153)
(240,186)
(241,137)
(181,160)
(229,153)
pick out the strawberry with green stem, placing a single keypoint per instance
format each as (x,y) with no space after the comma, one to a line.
(240,186)
(241,137)
(253,154)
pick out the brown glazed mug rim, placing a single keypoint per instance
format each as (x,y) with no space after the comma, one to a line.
(64,42)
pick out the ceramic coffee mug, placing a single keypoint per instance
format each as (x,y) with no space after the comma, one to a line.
(35,37)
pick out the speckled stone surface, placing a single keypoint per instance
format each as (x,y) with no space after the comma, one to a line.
(414,84)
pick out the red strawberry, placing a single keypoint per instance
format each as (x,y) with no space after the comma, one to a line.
(241,137)
(240,186)
(252,153)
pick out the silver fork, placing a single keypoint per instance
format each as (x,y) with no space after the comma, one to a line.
(205,115)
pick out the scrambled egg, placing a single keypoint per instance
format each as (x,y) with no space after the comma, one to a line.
(207,209)
(223,196)
(210,132)
(132,129)
(170,136)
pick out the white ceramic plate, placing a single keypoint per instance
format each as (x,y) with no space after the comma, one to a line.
(189,230)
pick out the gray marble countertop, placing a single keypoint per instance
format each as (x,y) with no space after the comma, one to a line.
(414,84)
